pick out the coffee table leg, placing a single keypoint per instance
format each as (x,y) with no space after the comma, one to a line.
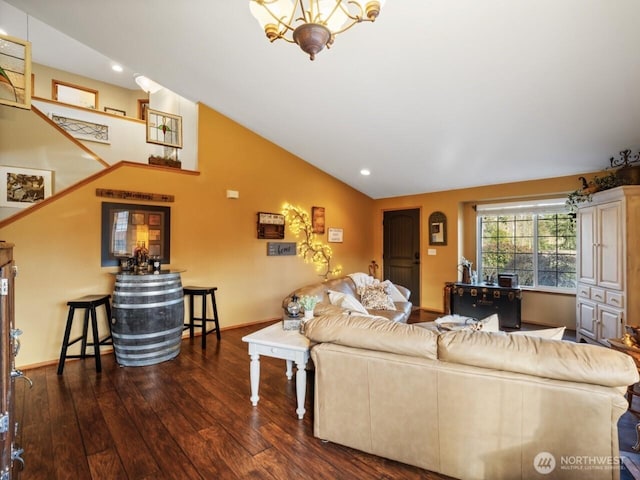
(289,369)
(254,373)
(301,387)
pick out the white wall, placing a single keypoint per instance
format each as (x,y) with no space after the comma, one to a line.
(169,102)
(127,137)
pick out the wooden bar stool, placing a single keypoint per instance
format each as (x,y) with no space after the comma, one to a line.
(88,303)
(194,321)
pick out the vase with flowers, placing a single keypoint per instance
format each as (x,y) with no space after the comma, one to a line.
(308,302)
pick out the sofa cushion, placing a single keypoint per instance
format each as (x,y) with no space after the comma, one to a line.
(399,315)
(346,301)
(376,298)
(539,357)
(396,293)
(372,333)
(550,333)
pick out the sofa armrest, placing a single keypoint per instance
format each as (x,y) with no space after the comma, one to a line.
(404,291)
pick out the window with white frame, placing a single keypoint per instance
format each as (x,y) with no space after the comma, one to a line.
(535,240)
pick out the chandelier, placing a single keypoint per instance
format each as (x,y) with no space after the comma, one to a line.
(312,24)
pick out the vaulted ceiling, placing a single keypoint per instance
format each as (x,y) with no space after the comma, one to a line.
(435,95)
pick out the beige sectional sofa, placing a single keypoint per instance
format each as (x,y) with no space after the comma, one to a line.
(469,404)
(347,286)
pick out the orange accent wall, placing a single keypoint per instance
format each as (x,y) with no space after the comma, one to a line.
(57,247)
(438,269)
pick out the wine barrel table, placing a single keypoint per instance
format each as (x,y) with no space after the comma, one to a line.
(147,318)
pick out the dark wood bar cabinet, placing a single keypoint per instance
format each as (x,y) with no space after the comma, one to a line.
(11,455)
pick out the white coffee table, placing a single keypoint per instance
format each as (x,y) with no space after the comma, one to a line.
(288,345)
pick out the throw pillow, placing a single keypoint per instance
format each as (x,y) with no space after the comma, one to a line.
(393,292)
(376,297)
(550,333)
(491,323)
(345,301)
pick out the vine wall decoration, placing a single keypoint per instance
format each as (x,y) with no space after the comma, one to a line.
(309,248)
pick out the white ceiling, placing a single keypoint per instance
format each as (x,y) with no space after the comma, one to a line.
(435,95)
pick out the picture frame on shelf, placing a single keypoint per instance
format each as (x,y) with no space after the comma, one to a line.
(164,128)
(23,187)
(115,111)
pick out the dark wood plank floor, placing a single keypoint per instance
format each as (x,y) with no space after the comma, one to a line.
(188,418)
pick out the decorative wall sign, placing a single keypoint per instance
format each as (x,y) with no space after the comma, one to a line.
(81,129)
(124,226)
(15,72)
(437,229)
(279,249)
(335,235)
(127,195)
(22,187)
(317,219)
(164,128)
(270,225)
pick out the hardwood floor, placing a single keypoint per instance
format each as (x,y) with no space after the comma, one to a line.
(188,418)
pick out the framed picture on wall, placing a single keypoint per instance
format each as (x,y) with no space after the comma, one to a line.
(126,225)
(335,235)
(23,187)
(317,219)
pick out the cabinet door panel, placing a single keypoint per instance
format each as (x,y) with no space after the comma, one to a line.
(610,245)
(586,245)
(610,320)
(586,319)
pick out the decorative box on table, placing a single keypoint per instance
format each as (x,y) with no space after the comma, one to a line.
(291,323)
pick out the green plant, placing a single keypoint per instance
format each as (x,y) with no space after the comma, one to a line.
(597,184)
(308,302)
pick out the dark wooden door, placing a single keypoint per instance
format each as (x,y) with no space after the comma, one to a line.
(401,250)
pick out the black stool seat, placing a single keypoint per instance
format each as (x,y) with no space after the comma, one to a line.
(88,303)
(194,321)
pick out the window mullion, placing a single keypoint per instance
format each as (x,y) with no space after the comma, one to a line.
(535,249)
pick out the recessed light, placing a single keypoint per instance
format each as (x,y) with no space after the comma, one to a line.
(116,68)
(365,172)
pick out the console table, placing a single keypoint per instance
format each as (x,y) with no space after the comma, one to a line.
(288,345)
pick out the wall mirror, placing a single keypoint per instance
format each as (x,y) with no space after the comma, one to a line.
(437,229)
(126,225)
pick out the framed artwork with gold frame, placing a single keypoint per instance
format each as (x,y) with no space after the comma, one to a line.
(164,128)
(15,72)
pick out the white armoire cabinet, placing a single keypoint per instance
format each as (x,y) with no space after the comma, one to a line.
(608,265)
